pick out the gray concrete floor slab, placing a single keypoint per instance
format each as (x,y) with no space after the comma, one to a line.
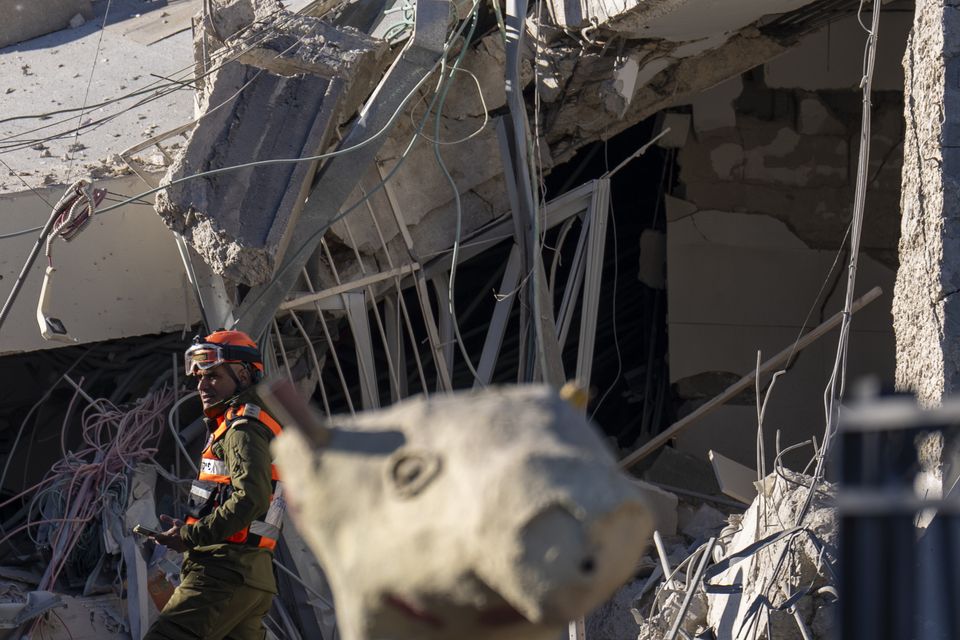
(52,72)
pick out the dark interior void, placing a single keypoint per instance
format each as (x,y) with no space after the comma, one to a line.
(630,381)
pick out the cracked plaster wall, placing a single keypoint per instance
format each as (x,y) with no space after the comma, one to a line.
(739,283)
(792,154)
(762,201)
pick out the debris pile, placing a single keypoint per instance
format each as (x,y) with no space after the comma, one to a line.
(790,582)
(767,575)
(626,614)
(77,521)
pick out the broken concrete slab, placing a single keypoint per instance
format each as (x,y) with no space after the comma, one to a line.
(675,468)
(735,480)
(229,17)
(592,108)
(240,223)
(703,523)
(677,20)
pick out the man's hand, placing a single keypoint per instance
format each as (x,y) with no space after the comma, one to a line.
(171,537)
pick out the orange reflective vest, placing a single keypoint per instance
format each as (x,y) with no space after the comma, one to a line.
(213,482)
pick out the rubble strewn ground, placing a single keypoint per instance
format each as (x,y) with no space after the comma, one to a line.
(51,74)
(647,607)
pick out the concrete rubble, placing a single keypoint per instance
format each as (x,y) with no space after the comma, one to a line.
(583,100)
(807,567)
(586,95)
(807,570)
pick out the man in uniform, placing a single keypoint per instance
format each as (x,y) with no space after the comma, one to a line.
(227,581)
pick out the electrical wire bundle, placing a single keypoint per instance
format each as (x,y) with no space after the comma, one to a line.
(86,488)
(73,212)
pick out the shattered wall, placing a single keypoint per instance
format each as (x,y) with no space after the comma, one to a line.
(280,99)
(760,211)
(587,92)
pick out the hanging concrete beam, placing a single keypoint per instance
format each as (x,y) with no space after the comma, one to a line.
(289,47)
(241,222)
(339,175)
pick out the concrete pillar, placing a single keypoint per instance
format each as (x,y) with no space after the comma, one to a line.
(926,306)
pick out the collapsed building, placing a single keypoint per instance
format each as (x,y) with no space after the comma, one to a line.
(654,198)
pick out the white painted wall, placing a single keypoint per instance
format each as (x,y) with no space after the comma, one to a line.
(122,276)
(762,191)
(741,282)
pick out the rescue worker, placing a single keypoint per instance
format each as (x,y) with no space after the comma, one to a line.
(236,507)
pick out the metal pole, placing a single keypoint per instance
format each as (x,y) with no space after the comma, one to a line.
(691,589)
(26,267)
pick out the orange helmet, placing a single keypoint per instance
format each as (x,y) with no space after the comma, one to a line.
(221,347)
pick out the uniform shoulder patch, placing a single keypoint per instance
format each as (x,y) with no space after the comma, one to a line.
(251,411)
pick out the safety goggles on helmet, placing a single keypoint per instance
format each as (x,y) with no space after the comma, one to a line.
(206,355)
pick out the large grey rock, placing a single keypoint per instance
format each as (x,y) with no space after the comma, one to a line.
(495,515)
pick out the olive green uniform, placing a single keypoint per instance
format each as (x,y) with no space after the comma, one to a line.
(226,588)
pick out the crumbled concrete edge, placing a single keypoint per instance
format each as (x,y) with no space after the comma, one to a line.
(347,65)
(925,300)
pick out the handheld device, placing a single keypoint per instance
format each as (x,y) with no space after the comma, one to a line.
(144,531)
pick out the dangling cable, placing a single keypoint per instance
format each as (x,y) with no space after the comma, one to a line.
(74,222)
